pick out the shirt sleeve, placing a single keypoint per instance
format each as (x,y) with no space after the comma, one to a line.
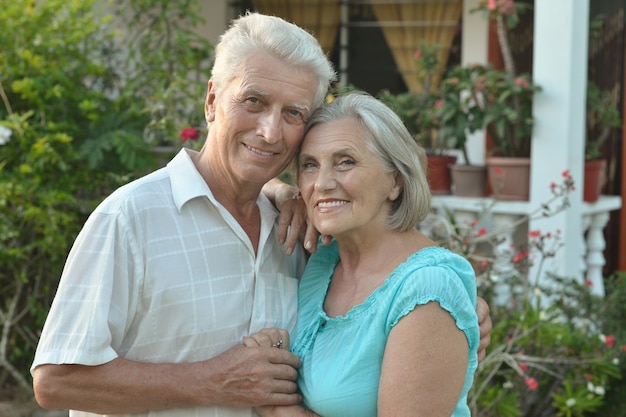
(452,284)
(96,295)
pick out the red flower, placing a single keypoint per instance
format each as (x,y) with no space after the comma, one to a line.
(588,283)
(532,384)
(518,257)
(482,231)
(189,133)
(610,340)
(523,366)
(534,233)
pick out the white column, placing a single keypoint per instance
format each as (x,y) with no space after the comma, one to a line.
(595,249)
(560,68)
(474,50)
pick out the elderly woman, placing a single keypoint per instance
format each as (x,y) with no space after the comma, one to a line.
(387,320)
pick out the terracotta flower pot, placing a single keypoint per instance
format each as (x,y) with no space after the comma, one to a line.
(594,179)
(468,180)
(509,178)
(438,173)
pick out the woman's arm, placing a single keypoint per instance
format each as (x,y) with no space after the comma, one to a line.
(424,365)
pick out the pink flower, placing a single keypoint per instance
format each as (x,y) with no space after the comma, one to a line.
(499,171)
(566,174)
(417,54)
(523,366)
(491,4)
(189,133)
(534,233)
(438,104)
(506,6)
(482,231)
(553,185)
(588,283)
(521,82)
(532,384)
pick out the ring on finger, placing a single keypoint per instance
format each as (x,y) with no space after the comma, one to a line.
(278,344)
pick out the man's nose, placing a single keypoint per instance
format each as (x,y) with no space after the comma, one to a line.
(269,125)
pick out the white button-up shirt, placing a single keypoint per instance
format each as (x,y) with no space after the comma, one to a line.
(162,272)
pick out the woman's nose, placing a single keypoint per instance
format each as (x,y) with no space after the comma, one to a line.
(325,179)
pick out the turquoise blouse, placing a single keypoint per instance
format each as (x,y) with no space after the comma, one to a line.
(342,356)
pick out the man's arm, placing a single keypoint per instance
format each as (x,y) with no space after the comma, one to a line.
(241,376)
(292,224)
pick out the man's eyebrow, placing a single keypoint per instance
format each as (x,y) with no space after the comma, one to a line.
(255,91)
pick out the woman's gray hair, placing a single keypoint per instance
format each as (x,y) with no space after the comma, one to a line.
(391,141)
(254,32)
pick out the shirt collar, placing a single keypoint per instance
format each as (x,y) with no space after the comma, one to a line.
(187,184)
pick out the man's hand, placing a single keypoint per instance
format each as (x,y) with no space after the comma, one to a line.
(241,376)
(485,324)
(292,223)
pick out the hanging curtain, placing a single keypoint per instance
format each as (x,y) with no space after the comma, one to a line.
(318,17)
(405,24)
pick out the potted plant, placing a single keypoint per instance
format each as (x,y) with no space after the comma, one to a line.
(602,116)
(506,102)
(459,115)
(418,110)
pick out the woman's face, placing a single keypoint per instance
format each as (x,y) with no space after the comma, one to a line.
(346,187)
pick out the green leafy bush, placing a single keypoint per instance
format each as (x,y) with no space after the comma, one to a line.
(74,119)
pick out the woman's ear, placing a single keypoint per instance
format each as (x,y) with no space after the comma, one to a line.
(398,184)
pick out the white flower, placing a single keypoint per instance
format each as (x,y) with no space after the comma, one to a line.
(615,361)
(507,385)
(5,135)
(602,338)
(570,402)
(599,390)
(590,387)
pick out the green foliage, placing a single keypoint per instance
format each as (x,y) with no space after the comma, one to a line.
(602,116)
(556,349)
(418,109)
(169,64)
(73,123)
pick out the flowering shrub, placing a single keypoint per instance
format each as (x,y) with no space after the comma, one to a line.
(548,354)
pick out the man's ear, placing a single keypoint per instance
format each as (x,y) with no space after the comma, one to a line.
(209,104)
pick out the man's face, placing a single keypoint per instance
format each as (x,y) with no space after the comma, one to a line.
(258,119)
